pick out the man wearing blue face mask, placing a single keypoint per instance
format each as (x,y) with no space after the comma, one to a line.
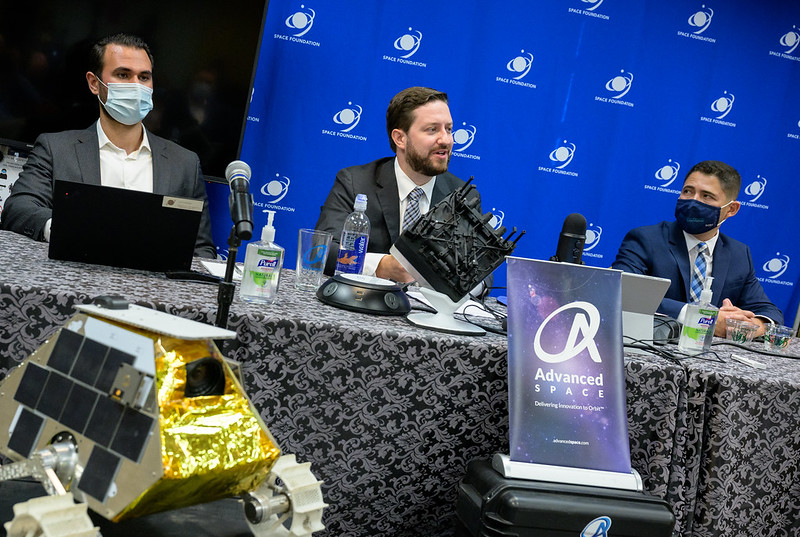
(117,151)
(692,248)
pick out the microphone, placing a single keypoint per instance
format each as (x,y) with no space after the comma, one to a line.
(571,240)
(241,201)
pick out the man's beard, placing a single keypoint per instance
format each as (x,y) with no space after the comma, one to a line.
(425,165)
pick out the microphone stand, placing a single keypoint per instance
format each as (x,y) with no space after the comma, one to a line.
(226,286)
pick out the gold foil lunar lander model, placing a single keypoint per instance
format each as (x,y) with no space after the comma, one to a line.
(130,411)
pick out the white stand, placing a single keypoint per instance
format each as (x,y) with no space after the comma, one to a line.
(444,320)
(566,474)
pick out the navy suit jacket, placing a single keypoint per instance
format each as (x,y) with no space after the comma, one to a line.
(74,156)
(377,180)
(660,250)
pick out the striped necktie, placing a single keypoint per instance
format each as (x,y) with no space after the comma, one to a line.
(699,271)
(412,209)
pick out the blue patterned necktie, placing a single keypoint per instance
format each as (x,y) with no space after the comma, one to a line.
(699,272)
(412,209)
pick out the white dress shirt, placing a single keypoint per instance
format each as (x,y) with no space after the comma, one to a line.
(121,170)
(404,187)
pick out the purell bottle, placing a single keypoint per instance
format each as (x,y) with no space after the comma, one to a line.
(698,326)
(355,237)
(262,267)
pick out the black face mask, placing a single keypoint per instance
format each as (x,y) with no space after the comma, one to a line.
(696,217)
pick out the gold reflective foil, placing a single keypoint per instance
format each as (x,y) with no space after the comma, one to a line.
(212,447)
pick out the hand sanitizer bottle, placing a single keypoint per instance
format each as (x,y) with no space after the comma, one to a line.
(262,267)
(698,326)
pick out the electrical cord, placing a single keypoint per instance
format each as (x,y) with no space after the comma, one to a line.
(764,352)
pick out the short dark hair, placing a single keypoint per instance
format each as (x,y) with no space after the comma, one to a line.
(400,114)
(97,54)
(729,178)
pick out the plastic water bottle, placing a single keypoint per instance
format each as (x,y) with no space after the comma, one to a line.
(355,237)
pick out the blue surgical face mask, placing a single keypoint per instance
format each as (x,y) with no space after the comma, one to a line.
(696,217)
(128,102)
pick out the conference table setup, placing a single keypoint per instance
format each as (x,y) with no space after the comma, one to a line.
(389,414)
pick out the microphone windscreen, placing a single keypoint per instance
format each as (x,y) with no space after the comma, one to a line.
(574,224)
(237,168)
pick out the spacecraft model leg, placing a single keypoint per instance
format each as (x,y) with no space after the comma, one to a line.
(290,495)
(53,516)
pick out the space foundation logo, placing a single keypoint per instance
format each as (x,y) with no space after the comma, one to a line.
(561,157)
(790,43)
(518,68)
(406,46)
(298,25)
(346,120)
(589,8)
(698,23)
(463,138)
(774,268)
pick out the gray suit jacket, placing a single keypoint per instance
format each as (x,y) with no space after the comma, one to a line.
(377,180)
(74,156)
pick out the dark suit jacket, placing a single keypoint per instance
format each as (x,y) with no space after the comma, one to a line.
(74,156)
(377,180)
(660,250)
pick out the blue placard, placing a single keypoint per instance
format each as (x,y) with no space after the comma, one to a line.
(566,381)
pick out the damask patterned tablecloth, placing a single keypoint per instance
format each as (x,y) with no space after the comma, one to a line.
(389,414)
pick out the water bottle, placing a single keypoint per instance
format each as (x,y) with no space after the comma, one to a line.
(355,236)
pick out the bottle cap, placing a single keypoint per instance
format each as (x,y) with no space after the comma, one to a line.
(360,203)
(268,232)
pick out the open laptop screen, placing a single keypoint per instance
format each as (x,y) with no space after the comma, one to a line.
(123,228)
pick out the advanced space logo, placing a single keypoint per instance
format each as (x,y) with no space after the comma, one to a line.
(721,106)
(346,119)
(298,25)
(589,8)
(406,45)
(597,528)
(463,138)
(617,87)
(519,66)
(790,41)
(698,23)
(586,323)
(561,157)
(774,268)
(666,176)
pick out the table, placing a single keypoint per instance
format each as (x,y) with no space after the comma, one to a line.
(390,414)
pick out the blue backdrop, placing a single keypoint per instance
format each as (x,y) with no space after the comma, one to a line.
(560,106)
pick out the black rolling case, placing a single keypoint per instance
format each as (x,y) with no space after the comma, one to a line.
(491,505)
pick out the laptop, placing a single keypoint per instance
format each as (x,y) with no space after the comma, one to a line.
(123,228)
(641,296)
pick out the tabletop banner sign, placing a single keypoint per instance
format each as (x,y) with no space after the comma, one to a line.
(566,379)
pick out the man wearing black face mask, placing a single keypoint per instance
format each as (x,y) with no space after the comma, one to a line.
(692,248)
(117,151)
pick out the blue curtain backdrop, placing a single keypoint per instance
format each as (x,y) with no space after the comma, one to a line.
(560,106)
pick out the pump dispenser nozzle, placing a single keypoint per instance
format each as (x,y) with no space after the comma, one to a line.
(705,294)
(268,232)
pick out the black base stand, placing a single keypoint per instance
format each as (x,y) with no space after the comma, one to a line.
(227,286)
(490,504)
